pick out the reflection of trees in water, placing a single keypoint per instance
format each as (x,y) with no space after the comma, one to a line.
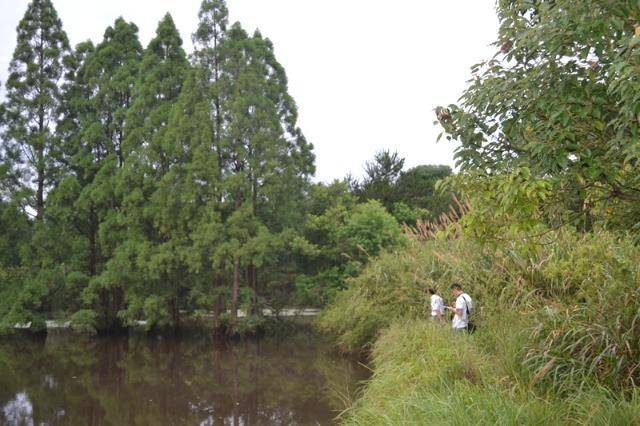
(171,381)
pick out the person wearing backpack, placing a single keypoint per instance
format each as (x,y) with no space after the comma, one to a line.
(462,310)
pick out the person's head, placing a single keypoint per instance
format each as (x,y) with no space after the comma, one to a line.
(456,289)
(431,291)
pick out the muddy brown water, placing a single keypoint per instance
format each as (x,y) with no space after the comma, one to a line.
(67,380)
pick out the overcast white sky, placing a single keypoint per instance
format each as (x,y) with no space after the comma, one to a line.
(366,74)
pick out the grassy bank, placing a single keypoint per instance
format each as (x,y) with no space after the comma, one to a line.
(424,375)
(558,338)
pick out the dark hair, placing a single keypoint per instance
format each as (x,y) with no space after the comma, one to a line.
(431,291)
(456,286)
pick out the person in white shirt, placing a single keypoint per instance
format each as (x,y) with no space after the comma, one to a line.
(437,306)
(462,308)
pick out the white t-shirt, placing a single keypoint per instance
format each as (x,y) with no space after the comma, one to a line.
(437,305)
(462,302)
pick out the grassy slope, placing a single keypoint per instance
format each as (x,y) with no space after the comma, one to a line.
(558,341)
(426,375)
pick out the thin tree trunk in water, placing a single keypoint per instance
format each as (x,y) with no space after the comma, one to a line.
(253,271)
(235,289)
(253,282)
(175,312)
(117,296)
(93,244)
(218,306)
(236,273)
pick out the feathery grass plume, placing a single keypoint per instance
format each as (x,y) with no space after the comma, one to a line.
(448,223)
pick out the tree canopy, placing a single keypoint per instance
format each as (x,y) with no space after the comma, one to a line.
(166,185)
(559,99)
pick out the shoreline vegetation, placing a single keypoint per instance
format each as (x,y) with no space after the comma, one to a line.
(547,242)
(146,184)
(295,313)
(548,348)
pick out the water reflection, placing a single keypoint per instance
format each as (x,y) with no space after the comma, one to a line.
(142,381)
(19,411)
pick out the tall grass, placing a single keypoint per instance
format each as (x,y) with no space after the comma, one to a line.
(559,327)
(426,375)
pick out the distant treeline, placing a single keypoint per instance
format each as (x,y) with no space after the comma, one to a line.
(148,184)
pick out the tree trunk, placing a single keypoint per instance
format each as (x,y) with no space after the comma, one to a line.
(40,193)
(253,282)
(236,273)
(93,244)
(40,166)
(219,305)
(235,289)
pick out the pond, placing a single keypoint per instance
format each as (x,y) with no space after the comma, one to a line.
(67,380)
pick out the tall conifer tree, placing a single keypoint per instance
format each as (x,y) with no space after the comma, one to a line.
(33,96)
(208,60)
(269,160)
(107,79)
(154,237)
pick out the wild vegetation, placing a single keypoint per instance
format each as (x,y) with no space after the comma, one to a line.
(546,241)
(148,184)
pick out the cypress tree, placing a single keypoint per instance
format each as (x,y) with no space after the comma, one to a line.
(103,90)
(191,190)
(160,78)
(153,236)
(33,96)
(269,160)
(208,60)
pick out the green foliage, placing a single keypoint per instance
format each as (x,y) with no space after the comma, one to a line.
(409,215)
(557,100)
(380,176)
(564,290)
(416,187)
(368,230)
(388,288)
(506,203)
(16,233)
(340,240)
(548,142)
(165,186)
(33,99)
(84,321)
(409,195)
(594,332)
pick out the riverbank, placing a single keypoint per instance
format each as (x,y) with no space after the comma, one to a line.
(423,374)
(549,347)
(291,313)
